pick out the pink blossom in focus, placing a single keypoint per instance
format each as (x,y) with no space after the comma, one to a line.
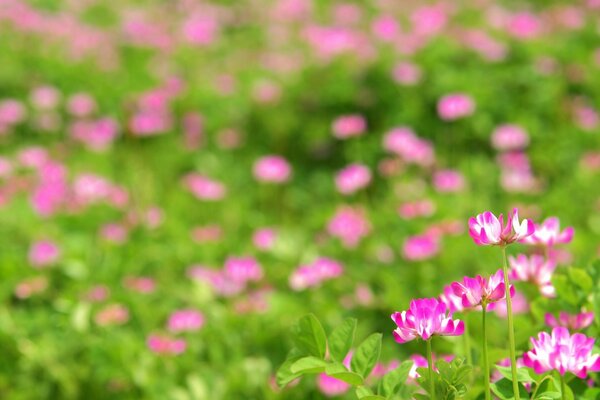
(535,269)
(574,322)
(350,225)
(448,181)
(548,233)
(509,137)
(347,126)
(425,318)
(420,247)
(166,345)
(43,253)
(273,169)
(185,321)
(562,352)
(454,106)
(486,229)
(481,291)
(352,178)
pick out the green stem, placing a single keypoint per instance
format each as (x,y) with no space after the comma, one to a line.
(511,328)
(486,363)
(430,368)
(563,388)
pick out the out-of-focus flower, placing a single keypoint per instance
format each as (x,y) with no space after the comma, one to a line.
(97,293)
(114,232)
(207,233)
(243,269)
(349,225)
(385,28)
(161,344)
(140,284)
(429,20)
(486,229)
(454,106)
(524,25)
(420,247)
(95,135)
(185,321)
(81,105)
(273,169)
(480,291)
(406,144)
(562,352)
(519,306)
(352,178)
(331,387)
(45,98)
(204,188)
(424,319)
(112,314)
(406,73)
(575,322)
(548,233)
(421,362)
(31,286)
(448,181)
(422,208)
(535,269)
(314,274)
(347,126)
(43,253)
(451,300)
(264,238)
(509,137)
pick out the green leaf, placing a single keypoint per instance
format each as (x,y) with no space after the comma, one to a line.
(308,365)
(393,380)
(580,278)
(284,373)
(309,336)
(372,397)
(363,391)
(338,371)
(522,374)
(504,390)
(544,386)
(366,355)
(548,396)
(564,289)
(341,339)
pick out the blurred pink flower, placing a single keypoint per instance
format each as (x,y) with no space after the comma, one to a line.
(204,188)
(548,233)
(115,232)
(429,20)
(425,318)
(12,112)
(350,125)
(185,321)
(535,269)
(140,284)
(420,247)
(264,238)
(509,137)
(193,128)
(200,29)
(161,344)
(314,274)
(112,314)
(454,106)
(414,209)
(273,169)
(448,181)
(242,269)
(406,144)
(407,73)
(95,135)
(207,233)
(33,157)
(385,28)
(519,306)
(43,253)
(524,25)
(480,291)
(574,322)
(451,300)
(349,225)
(486,229)
(81,105)
(352,178)
(45,98)
(31,286)
(562,352)
(331,387)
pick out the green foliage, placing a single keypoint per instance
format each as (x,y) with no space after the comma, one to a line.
(449,380)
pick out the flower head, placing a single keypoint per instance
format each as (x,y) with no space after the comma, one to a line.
(352,178)
(486,229)
(548,233)
(535,269)
(562,352)
(273,169)
(185,321)
(481,291)
(571,321)
(425,318)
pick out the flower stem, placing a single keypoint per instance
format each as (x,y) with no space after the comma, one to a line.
(430,368)
(563,387)
(486,362)
(511,329)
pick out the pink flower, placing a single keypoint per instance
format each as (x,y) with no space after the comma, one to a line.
(161,344)
(331,386)
(486,229)
(349,225)
(347,126)
(524,25)
(112,314)
(116,233)
(352,178)
(424,319)
(81,105)
(421,208)
(243,269)
(480,291)
(43,253)
(406,144)
(519,306)
(385,28)
(204,188)
(509,137)
(563,353)
(454,106)
(314,274)
(140,284)
(185,321)
(421,362)
(574,322)
(535,269)
(548,233)
(407,73)
(264,238)
(273,169)
(451,300)
(448,181)
(420,247)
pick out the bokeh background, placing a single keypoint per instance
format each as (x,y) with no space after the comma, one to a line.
(180,181)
